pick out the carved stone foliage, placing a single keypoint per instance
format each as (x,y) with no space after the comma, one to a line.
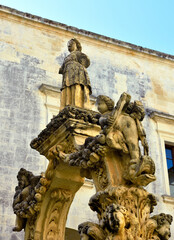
(124,213)
(69,112)
(50,224)
(59,201)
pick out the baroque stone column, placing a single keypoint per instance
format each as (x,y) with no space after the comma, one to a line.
(41,203)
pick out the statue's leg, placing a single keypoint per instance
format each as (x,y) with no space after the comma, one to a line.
(63,99)
(77,96)
(68,96)
(130,133)
(86,98)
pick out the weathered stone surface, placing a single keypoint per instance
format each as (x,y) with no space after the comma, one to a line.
(32,51)
(43,212)
(111,158)
(121,131)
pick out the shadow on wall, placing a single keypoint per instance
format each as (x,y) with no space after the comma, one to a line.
(71,234)
(19,237)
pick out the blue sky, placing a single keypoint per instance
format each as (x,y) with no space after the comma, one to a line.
(148,23)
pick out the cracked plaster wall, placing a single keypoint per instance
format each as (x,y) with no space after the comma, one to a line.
(30,55)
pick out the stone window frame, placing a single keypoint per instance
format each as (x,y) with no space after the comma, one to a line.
(165,130)
(51,101)
(171,147)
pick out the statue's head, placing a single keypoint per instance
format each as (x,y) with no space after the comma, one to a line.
(24,177)
(74,45)
(163,225)
(115,217)
(105,104)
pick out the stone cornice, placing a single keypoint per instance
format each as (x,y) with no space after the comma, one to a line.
(168,199)
(89,34)
(156,115)
(45,87)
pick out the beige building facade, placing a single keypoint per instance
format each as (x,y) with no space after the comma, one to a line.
(32,51)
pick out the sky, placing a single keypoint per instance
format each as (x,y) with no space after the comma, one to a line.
(147,23)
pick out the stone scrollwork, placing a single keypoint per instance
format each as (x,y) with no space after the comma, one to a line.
(59,198)
(122,211)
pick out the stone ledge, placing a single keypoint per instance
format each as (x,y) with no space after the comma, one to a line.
(49,88)
(159,115)
(88,183)
(168,199)
(83,32)
(65,119)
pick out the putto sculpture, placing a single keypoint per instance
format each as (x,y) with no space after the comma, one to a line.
(102,146)
(121,130)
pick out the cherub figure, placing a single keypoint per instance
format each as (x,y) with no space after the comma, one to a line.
(123,130)
(76,86)
(163,221)
(23,197)
(120,137)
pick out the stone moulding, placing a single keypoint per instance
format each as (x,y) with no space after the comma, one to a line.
(168,199)
(60,26)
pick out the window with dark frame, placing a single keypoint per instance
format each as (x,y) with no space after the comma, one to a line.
(170,165)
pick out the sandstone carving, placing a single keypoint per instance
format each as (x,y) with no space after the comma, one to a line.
(76,86)
(163,222)
(121,130)
(103,146)
(28,197)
